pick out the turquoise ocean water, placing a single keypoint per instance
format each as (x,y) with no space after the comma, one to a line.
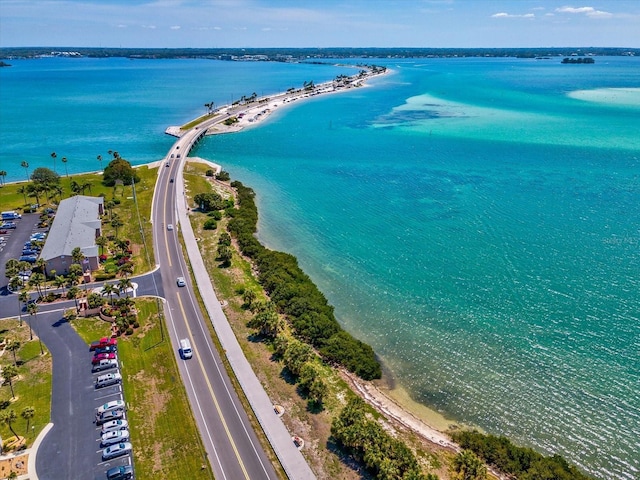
(476,220)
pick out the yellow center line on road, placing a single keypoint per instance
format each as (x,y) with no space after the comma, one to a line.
(213,395)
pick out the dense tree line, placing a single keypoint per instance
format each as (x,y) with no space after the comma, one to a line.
(297,297)
(305,54)
(521,462)
(382,455)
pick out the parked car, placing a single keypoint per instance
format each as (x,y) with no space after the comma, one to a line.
(8,225)
(105,417)
(103,356)
(114,425)
(105,365)
(181,282)
(29,258)
(103,342)
(123,472)
(116,450)
(30,252)
(108,379)
(113,405)
(107,349)
(115,436)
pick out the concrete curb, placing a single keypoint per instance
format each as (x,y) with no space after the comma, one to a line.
(32,458)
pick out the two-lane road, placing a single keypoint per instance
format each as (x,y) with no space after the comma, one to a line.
(230,442)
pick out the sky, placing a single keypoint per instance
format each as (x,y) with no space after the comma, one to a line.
(319,23)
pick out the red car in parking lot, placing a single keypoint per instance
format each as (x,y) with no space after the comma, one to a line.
(102,356)
(103,342)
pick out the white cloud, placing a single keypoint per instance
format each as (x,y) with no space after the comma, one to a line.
(588,11)
(152,27)
(510,15)
(175,27)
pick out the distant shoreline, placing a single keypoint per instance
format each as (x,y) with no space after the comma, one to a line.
(309,55)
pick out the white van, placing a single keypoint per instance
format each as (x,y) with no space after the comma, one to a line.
(185,348)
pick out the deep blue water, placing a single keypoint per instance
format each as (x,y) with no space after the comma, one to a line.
(476,220)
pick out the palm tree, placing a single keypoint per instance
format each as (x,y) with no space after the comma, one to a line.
(66,171)
(13,347)
(32,309)
(124,284)
(126,269)
(77,256)
(116,223)
(110,205)
(54,155)
(59,281)
(73,292)
(84,186)
(28,413)
(36,280)
(23,298)
(3,174)
(8,418)
(102,242)
(110,289)
(9,372)
(41,263)
(34,191)
(99,157)
(23,190)
(25,165)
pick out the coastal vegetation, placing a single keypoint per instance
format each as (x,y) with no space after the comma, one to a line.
(365,439)
(521,462)
(294,295)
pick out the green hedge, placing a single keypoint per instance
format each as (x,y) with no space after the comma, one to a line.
(297,297)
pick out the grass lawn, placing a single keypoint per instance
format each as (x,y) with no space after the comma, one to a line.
(164,435)
(32,387)
(143,258)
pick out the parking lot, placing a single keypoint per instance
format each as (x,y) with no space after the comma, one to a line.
(72,449)
(13,241)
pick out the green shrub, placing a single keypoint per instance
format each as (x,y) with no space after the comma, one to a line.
(210,224)
(107,275)
(217,214)
(209,173)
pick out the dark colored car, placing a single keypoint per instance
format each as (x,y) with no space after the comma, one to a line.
(123,472)
(26,252)
(29,258)
(107,349)
(171,181)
